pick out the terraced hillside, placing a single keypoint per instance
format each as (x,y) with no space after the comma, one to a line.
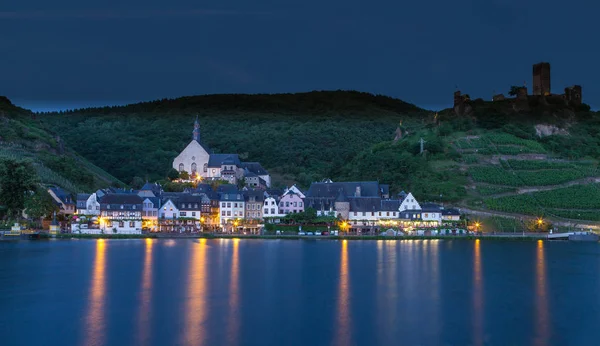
(23,137)
(513,175)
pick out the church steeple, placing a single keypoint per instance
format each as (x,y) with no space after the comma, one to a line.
(196,133)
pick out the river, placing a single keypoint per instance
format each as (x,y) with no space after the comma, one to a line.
(299,292)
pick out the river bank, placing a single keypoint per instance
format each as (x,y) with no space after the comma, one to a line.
(506,237)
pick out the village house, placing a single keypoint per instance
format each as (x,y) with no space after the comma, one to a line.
(291,202)
(88,204)
(64,200)
(232,206)
(120,213)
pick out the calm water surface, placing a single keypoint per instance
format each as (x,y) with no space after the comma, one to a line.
(285,292)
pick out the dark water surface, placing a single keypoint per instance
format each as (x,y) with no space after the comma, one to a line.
(286,292)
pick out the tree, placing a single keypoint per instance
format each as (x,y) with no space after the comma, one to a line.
(173,174)
(184,175)
(514,90)
(137,183)
(17,179)
(40,204)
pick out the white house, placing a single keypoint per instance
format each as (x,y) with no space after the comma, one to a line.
(232,206)
(168,210)
(409,203)
(88,204)
(121,213)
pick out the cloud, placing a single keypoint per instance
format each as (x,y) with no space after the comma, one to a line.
(104,14)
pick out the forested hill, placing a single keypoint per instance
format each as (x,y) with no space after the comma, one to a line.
(298,137)
(532,159)
(309,103)
(24,137)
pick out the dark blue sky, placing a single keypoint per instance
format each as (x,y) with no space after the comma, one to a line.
(66,53)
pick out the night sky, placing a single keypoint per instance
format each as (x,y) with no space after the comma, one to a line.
(64,53)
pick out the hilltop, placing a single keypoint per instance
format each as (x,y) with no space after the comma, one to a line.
(24,137)
(497,158)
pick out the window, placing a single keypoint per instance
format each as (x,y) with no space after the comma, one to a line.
(223,205)
(131,224)
(205,167)
(394,213)
(372,213)
(121,206)
(287,204)
(300,203)
(180,167)
(364,214)
(379,213)
(272,210)
(214,171)
(266,211)
(228,205)
(223,213)
(387,213)
(194,168)
(121,224)
(183,213)
(108,206)
(295,204)
(193,213)
(228,213)
(196,205)
(235,205)
(248,206)
(281,204)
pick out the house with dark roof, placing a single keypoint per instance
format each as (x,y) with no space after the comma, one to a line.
(450,214)
(64,200)
(254,200)
(121,213)
(232,206)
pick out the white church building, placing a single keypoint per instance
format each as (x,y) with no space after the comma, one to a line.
(197,160)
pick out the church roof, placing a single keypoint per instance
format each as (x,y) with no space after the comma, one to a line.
(216,160)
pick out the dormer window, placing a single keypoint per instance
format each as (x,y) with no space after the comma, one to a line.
(121,206)
(133,207)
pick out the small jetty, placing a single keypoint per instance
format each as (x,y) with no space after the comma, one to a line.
(575,236)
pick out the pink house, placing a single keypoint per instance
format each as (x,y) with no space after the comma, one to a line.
(291,203)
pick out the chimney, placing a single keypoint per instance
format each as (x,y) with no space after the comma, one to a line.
(357,193)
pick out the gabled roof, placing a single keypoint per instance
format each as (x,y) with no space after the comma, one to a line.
(255,168)
(121,198)
(431,207)
(341,196)
(64,196)
(451,212)
(365,204)
(216,160)
(83,197)
(154,187)
(227,188)
(257,194)
(390,205)
(367,189)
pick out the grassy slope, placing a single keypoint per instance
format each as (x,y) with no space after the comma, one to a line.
(348,135)
(22,136)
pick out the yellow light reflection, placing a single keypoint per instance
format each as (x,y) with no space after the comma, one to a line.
(541,297)
(95,320)
(146,293)
(477,296)
(196,296)
(234,317)
(343,305)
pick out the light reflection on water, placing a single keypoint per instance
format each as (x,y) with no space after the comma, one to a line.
(95,319)
(542,329)
(145,296)
(194,333)
(478,331)
(343,304)
(233,324)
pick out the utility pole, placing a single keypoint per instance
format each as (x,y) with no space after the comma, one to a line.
(422,141)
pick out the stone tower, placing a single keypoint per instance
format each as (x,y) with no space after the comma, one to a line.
(541,78)
(196,133)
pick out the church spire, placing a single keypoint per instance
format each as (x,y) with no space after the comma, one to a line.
(196,133)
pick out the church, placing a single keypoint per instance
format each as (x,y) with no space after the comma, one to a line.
(197,160)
